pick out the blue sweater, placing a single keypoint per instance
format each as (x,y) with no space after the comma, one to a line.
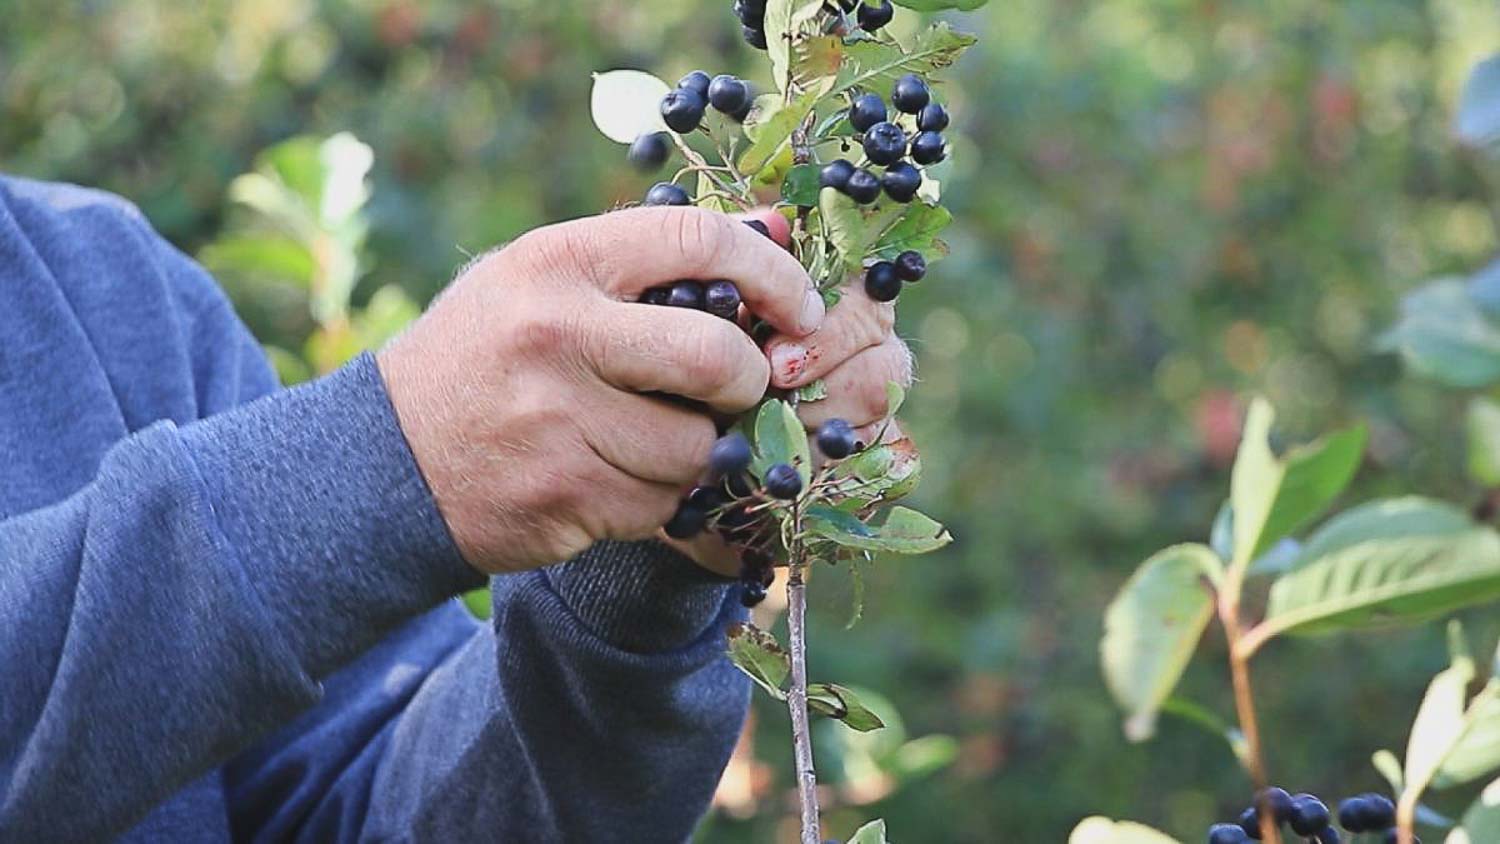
(226,608)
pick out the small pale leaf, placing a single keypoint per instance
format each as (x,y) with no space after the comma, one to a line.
(627,104)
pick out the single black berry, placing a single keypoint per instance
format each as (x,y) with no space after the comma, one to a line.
(872,18)
(656,295)
(687,522)
(738,484)
(1249,821)
(754,36)
(706,498)
(910,94)
(1382,812)
(1327,835)
(1391,837)
(927,148)
(782,481)
(862,186)
(848,5)
(728,94)
(686,294)
(730,456)
(881,282)
(1279,802)
(721,298)
(836,439)
(751,593)
(867,110)
(885,143)
(697,82)
(1226,833)
(932,118)
(901,181)
(759,226)
(666,193)
(835,174)
(911,266)
(1354,815)
(752,13)
(1309,815)
(682,109)
(649,151)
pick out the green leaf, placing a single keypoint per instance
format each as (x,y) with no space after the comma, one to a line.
(1484,441)
(1439,723)
(770,129)
(1383,518)
(1151,629)
(626,104)
(904,531)
(707,196)
(1481,821)
(1428,565)
(1477,752)
(788,22)
(780,438)
(895,397)
(477,601)
(840,703)
(871,833)
(854,230)
(917,229)
(1388,766)
(801,185)
(759,655)
(813,391)
(1102,830)
(1271,497)
(883,472)
(269,256)
(875,66)
(1442,334)
(1221,535)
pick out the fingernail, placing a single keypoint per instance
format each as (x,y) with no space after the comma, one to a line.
(788,362)
(812,312)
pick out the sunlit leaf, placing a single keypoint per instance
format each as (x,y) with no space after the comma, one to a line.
(1151,629)
(1440,723)
(871,833)
(875,66)
(841,703)
(770,129)
(904,531)
(626,104)
(917,229)
(1483,424)
(760,656)
(1102,830)
(780,438)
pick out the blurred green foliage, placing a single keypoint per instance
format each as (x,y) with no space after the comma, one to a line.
(1161,207)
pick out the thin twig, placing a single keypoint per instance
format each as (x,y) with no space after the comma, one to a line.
(1244,704)
(796,697)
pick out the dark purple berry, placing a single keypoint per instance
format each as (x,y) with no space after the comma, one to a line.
(782,481)
(1381,811)
(1226,833)
(656,295)
(730,455)
(738,484)
(848,5)
(835,174)
(687,522)
(911,266)
(881,282)
(759,226)
(1354,815)
(752,13)
(722,299)
(1249,821)
(751,593)
(649,151)
(927,148)
(1279,802)
(932,118)
(697,82)
(836,439)
(901,181)
(867,110)
(1391,837)
(728,94)
(754,36)
(862,186)
(666,193)
(885,143)
(707,498)
(1327,835)
(910,94)
(1309,815)
(872,18)
(682,110)
(739,114)
(686,294)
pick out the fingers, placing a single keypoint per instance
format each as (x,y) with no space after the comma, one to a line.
(776,226)
(625,252)
(856,389)
(856,324)
(650,439)
(650,349)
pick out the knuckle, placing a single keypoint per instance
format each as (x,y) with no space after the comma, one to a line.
(872,399)
(883,320)
(710,354)
(545,333)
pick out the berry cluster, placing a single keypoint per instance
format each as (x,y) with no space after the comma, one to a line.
(682,109)
(752,17)
(731,503)
(1309,818)
(883,279)
(886,144)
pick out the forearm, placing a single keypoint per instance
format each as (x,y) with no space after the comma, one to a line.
(191,597)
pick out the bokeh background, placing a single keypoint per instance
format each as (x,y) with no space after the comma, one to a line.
(1162,208)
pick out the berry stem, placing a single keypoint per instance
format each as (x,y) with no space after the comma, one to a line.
(796,697)
(1406,814)
(1244,701)
(697,162)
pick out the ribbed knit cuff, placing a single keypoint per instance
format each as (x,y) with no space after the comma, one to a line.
(641,597)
